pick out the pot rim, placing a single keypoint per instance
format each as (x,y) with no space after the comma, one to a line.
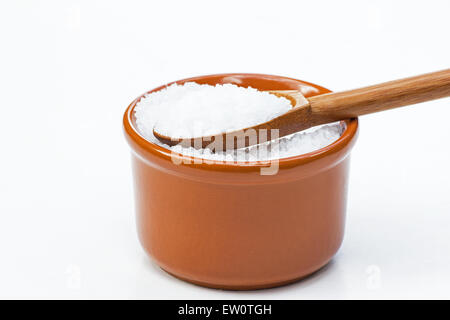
(132,133)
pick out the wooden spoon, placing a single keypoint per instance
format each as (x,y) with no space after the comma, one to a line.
(326,108)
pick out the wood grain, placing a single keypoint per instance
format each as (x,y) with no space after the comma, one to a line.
(380,97)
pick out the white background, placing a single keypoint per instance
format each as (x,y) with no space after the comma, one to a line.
(68,70)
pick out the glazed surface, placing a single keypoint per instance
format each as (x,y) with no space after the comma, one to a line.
(226,225)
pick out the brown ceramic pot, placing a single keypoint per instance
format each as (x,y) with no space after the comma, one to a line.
(226,225)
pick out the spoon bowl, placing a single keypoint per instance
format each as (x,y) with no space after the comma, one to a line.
(243,138)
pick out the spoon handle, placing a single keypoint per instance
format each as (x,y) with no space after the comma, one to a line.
(389,95)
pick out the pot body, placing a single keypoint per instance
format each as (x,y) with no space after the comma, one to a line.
(226,225)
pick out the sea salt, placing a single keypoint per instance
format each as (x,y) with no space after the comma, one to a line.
(194,110)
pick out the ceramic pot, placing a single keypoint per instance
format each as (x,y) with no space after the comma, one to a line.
(226,225)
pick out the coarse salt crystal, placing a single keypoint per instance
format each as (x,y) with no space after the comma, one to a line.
(194,110)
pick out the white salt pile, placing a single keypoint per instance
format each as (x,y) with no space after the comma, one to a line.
(193,110)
